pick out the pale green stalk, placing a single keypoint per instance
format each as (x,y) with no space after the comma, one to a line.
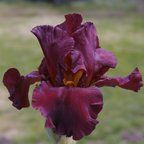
(55,139)
(65,140)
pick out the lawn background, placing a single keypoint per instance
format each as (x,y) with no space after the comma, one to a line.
(120,29)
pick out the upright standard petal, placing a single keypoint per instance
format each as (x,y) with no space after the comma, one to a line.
(131,82)
(72,22)
(18,86)
(68,111)
(43,70)
(55,44)
(86,42)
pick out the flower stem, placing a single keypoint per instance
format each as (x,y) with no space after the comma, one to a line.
(57,139)
(65,140)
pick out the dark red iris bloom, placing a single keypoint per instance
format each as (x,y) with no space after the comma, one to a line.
(70,73)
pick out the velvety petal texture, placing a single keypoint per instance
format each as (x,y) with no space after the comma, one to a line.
(104,60)
(85,42)
(71,70)
(18,86)
(68,111)
(131,82)
(74,61)
(55,44)
(43,68)
(72,22)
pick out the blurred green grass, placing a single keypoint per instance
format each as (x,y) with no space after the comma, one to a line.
(123,112)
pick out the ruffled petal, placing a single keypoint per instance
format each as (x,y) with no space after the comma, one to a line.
(18,86)
(131,82)
(55,44)
(74,61)
(86,41)
(69,111)
(104,60)
(72,22)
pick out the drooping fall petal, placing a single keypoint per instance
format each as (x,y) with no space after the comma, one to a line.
(68,111)
(18,86)
(55,44)
(131,82)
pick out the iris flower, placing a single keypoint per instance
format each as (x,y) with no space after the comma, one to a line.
(70,76)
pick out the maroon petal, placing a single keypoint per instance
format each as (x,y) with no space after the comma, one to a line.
(131,82)
(86,41)
(103,61)
(104,58)
(43,70)
(75,61)
(55,44)
(33,77)
(72,22)
(69,111)
(43,67)
(18,86)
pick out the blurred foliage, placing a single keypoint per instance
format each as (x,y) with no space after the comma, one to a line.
(114,4)
(55,1)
